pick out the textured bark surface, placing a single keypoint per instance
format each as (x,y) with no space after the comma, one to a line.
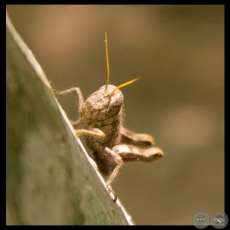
(49,176)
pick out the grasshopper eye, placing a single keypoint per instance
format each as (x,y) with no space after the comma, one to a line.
(116,99)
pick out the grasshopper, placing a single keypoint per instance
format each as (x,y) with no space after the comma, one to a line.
(100,121)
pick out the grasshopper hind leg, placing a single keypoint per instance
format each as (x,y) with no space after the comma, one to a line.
(131,153)
(109,166)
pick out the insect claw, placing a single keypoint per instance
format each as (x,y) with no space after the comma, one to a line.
(110,190)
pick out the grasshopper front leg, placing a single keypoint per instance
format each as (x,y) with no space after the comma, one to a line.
(75,90)
(78,94)
(97,133)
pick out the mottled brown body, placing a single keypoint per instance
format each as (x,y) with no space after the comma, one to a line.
(103,112)
(100,121)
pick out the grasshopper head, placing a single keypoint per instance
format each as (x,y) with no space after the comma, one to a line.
(114,96)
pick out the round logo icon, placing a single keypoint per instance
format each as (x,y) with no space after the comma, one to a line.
(219,220)
(201,220)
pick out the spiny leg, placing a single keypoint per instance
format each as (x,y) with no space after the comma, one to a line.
(113,174)
(115,159)
(130,153)
(110,180)
(75,90)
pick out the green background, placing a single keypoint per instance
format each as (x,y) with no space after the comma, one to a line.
(178,52)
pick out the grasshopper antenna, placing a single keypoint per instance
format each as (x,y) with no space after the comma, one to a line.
(107,60)
(108,70)
(124,84)
(120,86)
